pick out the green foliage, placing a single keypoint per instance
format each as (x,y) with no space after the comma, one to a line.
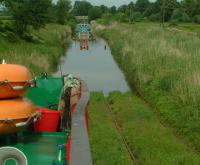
(167,8)
(28,13)
(106,18)
(179,16)
(121,17)
(164,66)
(154,17)
(105,142)
(63,7)
(94,13)
(141,5)
(81,8)
(191,7)
(42,54)
(113,10)
(146,135)
(197,19)
(137,16)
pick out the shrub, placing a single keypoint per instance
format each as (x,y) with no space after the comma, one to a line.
(185,17)
(137,16)
(121,17)
(197,19)
(11,37)
(179,16)
(106,18)
(154,17)
(173,22)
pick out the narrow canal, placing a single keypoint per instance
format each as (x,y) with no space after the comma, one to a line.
(96,66)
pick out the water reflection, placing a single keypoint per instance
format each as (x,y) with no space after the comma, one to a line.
(96,66)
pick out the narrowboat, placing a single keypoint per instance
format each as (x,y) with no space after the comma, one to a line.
(44,120)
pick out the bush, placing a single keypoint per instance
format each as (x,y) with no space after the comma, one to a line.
(137,16)
(8,27)
(197,19)
(179,16)
(106,18)
(154,17)
(185,18)
(121,17)
(173,22)
(1,27)
(12,37)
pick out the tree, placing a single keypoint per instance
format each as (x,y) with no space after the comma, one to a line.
(122,8)
(129,12)
(167,8)
(104,9)
(179,16)
(113,10)
(121,17)
(141,5)
(81,8)
(28,13)
(191,7)
(63,7)
(94,13)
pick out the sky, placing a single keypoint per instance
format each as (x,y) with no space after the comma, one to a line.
(106,2)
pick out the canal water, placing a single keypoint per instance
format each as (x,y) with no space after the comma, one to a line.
(96,66)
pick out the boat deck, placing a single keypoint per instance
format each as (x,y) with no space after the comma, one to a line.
(40,148)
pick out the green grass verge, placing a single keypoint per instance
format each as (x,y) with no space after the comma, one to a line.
(153,143)
(106,145)
(164,66)
(40,57)
(189,27)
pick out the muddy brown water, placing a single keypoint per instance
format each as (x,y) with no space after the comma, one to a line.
(96,66)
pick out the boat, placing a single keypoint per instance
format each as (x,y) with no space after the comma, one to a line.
(60,136)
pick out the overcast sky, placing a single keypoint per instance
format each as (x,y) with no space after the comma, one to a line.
(106,2)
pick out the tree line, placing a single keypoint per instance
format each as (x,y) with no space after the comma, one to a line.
(160,10)
(26,14)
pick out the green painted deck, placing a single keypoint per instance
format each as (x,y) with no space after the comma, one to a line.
(40,148)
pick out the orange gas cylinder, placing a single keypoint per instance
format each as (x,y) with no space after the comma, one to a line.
(14,80)
(15,114)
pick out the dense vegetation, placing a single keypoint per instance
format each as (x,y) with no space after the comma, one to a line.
(42,54)
(32,32)
(27,14)
(152,142)
(160,10)
(147,137)
(164,67)
(106,145)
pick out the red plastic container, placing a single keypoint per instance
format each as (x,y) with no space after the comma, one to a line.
(49,120)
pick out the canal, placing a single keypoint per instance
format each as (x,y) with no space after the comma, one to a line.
(96,66)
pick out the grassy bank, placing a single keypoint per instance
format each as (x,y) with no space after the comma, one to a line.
(195,28)
(164,66)
(40,56)
(151,142)
(106,145)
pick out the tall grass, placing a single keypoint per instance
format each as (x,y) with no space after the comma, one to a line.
(42,56)
(165,67)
